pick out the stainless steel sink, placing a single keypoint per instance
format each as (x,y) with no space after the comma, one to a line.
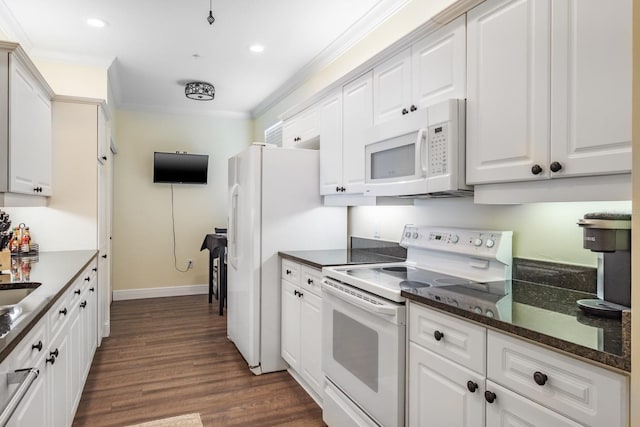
(14,293)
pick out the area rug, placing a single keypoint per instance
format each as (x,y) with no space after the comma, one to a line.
(188,420)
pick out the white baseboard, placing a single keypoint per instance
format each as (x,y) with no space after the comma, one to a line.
(169,291)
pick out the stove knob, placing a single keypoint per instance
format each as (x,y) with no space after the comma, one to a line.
(489,313)
(407,234)
(490,243)
(477,310)
(454,238)
(415,234)
(477,242)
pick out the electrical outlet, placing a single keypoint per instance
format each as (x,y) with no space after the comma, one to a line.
(189,264)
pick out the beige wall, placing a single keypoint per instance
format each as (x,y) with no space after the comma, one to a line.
(543,231)
(142,233)
(74,80)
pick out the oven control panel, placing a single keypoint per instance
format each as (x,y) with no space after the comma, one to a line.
(481,243)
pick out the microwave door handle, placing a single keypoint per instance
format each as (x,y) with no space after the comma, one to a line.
(422,143)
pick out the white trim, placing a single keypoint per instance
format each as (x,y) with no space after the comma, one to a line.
(168,291)
(176,110)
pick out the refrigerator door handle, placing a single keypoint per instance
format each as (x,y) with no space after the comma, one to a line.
(233,219)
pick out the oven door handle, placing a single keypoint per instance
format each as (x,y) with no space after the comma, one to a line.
(385,309)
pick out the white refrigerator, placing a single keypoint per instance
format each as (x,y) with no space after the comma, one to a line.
(274,205)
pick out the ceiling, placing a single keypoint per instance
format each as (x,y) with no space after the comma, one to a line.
(155,47)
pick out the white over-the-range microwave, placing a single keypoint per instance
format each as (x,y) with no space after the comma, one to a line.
(419,154)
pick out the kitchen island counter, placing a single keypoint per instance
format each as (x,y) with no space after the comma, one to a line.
(56,271)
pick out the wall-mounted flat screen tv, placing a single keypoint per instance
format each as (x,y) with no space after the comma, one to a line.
(180,168)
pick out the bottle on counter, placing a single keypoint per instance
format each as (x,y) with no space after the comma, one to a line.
(25,242)
(14,244)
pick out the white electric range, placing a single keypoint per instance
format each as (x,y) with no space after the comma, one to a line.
(364,314)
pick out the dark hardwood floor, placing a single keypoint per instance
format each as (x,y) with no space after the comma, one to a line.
(170,356)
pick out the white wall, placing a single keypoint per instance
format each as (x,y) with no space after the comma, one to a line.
(543,231)
(142,231)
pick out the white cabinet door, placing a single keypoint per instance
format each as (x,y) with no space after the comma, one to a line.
(439,64)
(29,133)
(512,410)
(290,328)
(507,90)
(311,341)
(330,119)
(440,392)
(290,131)
(76,339)
(358,116)
(58,377)
(34,408)
(591,86)
(300,128)
(392,87)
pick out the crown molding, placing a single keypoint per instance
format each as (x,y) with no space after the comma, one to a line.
(181,111)
(10,25)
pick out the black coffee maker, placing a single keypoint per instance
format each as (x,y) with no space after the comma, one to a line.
(609,234)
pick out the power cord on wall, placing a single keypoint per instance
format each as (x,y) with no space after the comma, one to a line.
(173,229)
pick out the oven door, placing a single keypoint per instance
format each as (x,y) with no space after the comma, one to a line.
(364,350)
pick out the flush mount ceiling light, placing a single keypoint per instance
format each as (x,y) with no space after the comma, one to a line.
(256,48)
(200,91)
(210,18)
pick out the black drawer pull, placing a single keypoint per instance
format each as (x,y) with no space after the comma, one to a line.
(86,279)
(77,292)
(83,304)
(438,335)
(489,396)
(288,272)
(472,386)
(37,346)
(54,353)
(92,289)
(63,311)
(309,282)
(540,378)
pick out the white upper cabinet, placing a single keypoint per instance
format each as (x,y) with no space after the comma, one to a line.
(302,129)
(29,132)
(439,65)
(591,86)
(357,98)
(330,124)
(431,70)
(548,89)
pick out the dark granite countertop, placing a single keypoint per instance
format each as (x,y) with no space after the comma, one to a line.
(331,257)
(549,315)
(56,271)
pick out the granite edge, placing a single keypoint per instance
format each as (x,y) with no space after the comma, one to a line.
(27,325)
(304,261)
(608,360)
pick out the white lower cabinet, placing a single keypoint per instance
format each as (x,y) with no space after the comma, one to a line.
(521,384)
(61,347)
(301,325)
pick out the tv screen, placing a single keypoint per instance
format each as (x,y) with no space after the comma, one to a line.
(177,168)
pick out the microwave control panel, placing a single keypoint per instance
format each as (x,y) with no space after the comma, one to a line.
(438,138)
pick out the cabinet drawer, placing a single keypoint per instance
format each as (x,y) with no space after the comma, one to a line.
(586,393)
(61,311)
(311,279)
(452,338)
(291,271)
(32,347)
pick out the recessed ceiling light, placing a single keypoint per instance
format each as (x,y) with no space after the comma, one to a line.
(94,22)
(256,48)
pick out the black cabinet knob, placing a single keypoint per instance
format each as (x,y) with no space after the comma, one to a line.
(51,360)
(104,256)
(413,108)
(54,353)
(309,282)
(438,335)
(472,386)
(405,111)
(77,292)
(104,157)
(343,189)
(63,311)
(540,378)
(83,304)
(555,167)
(288,272)
(86,279)
(300,294)
(337,189)
(536,169)
(489,396)
(37,346)
(92,289)
(94,269)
